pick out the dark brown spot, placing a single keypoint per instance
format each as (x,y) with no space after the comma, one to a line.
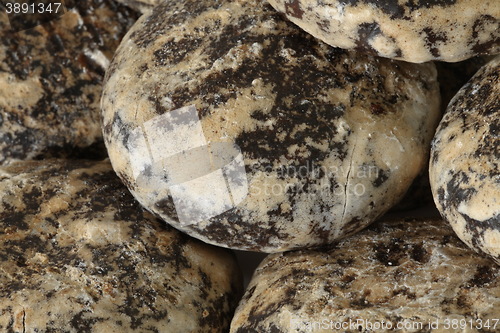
(292,8)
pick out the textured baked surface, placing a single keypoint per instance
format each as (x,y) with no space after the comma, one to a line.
(412,271)
(415,31)
(465,162)
(51,78)
(330,139)
(143,6)
(79,254)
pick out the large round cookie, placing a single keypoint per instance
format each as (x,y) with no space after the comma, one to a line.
(398,276)
(51,78)
(415,31)
(309,143)
(79,254)
(465,162)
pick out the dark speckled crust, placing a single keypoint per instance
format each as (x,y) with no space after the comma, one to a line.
(415,31)
(290,102)
(51,79)
(465,162)
(413,271)
(78,254)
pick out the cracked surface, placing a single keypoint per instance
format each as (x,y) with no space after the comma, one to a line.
(348,181)
(51,79)
(296,107)
(464,169)
(78,254)
(413,271)
(415,31)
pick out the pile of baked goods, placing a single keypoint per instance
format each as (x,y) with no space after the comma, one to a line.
(141,141)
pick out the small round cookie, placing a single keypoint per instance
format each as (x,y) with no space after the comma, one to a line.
(143,6)
(414,31)
(79,254)
(244,131)
(396,276)
(465,162)
(51,79)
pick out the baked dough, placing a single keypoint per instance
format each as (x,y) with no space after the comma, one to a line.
(407,273)
(329,140)
(465,162)
(79,254)
(51,79)
(415,31)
